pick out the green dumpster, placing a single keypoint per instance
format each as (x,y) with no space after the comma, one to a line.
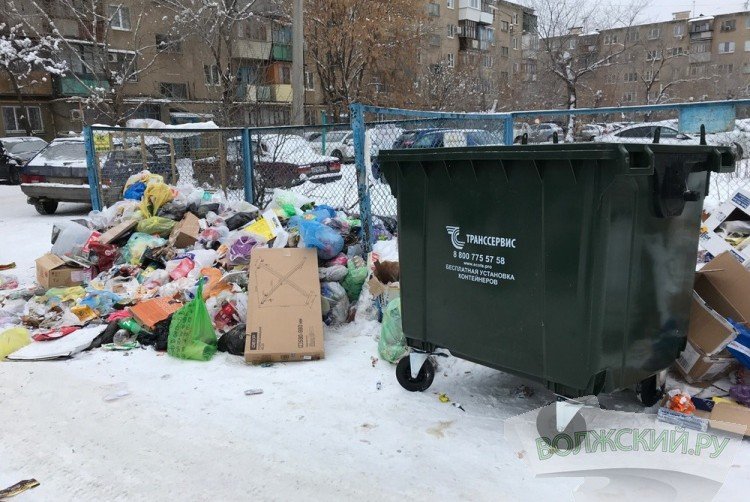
(568,264)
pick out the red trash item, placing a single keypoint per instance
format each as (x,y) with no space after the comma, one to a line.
(119,314)
(682,403)
(55,333)
(183,269)
(226,317)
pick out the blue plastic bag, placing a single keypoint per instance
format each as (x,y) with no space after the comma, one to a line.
(101,301)
(326,240)
(135,191)
(320,213)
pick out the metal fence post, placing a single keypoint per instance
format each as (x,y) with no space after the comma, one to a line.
(92,169)
(508,129)
(365,207)
(247,165)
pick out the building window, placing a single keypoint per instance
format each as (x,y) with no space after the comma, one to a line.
(433,9)
(701,48)
(572,43)
(450,60)
(515,43)
(487,61)
(211,73)
(729,25)
(651,76)
(628,97)
(611,79)
(474,4)
(173,91)
(504,26)
(435,40)
(697,70)
(747,45)
(515,18)
(166,43)
(123,62)
(726,47)
(13,118)
(309,80)
(516,67)
(504,51)
(725,68)
(746,68)
(653,55)
(451,4)
(256,30)
(747,23)
(504,74)
(678,30)
(286,75)
(119,17)
(654,33)
(676,51)
(633,35)
(631,77)
(452,30)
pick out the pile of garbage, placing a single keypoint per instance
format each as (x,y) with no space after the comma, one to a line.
(168,267)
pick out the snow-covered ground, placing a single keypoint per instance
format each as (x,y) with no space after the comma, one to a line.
(186,431)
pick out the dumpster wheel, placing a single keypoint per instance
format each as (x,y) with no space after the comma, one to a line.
(650,391)
(421,381)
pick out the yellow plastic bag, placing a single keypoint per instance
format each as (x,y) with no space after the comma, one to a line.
(13,339)
(156,225)
(73,293)
(155,196)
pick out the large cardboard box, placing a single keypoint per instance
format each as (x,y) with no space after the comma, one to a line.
(118,231)
(731,417)
(186,232)
(696,366)
(736,209)
(284,321)
(721,292)
(53,272)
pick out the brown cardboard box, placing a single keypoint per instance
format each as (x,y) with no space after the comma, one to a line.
(186,232)
(150,312)
(696,366)
(53,272)
(722,290)
(118,231)
(731,417)
(284,321)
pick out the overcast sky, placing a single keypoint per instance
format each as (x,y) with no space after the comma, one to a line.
(661,10)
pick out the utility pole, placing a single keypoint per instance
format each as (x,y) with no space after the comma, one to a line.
(298,64)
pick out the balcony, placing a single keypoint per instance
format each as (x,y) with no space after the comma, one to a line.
(79,86)
(250,49)
(40,88)
(699,57)
(701,35)
(529,54)
(275,93)
(471,44)
(282,52)
(281,93)
(475,10)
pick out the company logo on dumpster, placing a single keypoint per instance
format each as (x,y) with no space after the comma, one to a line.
(453,232)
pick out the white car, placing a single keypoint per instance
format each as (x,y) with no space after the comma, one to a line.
(339,144)
(644,133)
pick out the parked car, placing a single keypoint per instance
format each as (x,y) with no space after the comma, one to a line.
(456,138)
(406,139)
(285,160)
(339,144)
(519,129)
(544,132)
(588,132)
(59,173)
(14,153)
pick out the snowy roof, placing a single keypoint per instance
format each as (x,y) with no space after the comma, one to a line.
(188,115)
(700,18)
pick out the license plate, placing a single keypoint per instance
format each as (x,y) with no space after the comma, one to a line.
(318,169)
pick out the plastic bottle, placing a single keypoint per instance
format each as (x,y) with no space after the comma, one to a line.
(183,269)
(122,336)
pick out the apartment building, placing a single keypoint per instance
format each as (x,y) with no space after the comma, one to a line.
(687,58)
(175,77)
(487,44)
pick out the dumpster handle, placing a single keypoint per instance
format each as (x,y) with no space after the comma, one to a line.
(717,161)
(637,162)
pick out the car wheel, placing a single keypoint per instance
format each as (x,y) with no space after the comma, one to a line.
(338,155)
(45,206)
(14,176)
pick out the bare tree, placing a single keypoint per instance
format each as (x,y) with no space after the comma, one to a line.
(100,67)
(361,47)
(573,42)
(26,61)
(218,24)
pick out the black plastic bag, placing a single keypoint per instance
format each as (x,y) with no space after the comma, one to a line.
(239,220)
(233,341)
(172,211)
(159,336)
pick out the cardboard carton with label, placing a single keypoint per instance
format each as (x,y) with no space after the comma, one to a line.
(283,319)
(53,272)
(727,230)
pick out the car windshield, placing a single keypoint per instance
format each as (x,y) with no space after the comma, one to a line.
(485,138)
(22,147)
(69,151)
